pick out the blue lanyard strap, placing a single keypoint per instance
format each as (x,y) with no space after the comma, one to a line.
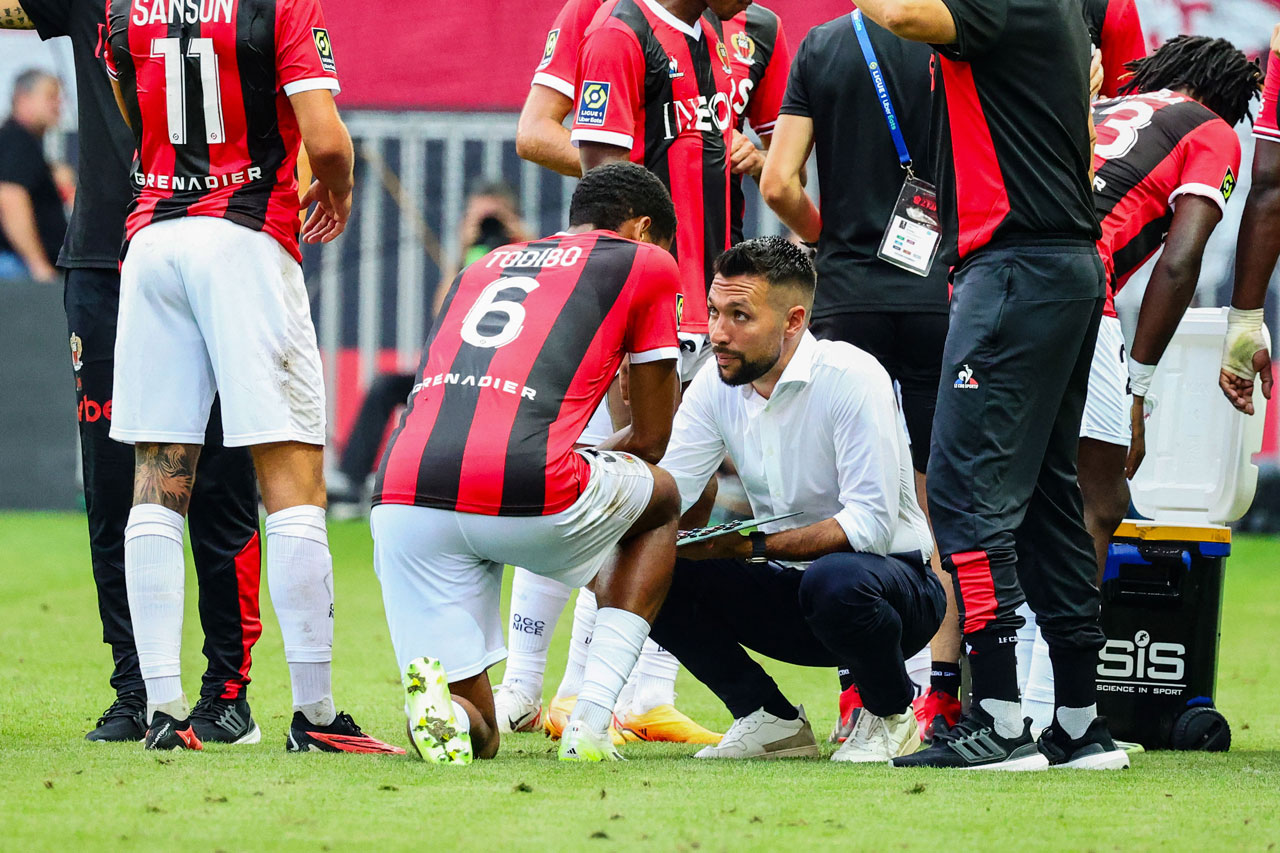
(882,90)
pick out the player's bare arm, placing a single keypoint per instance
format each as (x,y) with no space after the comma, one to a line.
(14,17)
(1259,247)
(1173,284)
(164,474)
(594,154)
(782,181)
(653,389)
(541,136)
(332,158)
(928,21)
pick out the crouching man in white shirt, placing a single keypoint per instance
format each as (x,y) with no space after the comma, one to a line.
(813,427)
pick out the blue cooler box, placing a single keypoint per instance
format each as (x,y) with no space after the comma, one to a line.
(1161,613)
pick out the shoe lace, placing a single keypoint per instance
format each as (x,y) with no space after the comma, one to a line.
(865,729)
(344,719)
(208,708)
(124,706)
(966,727)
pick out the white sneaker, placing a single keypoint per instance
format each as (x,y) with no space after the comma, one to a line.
(762,735)
(880,739)
(517,711)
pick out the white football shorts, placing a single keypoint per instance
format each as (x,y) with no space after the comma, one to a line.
(208,306)
(1106,408)
(441,571)
(695,351)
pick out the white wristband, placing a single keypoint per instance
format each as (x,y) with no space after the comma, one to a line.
(1244,338)
(1140,376)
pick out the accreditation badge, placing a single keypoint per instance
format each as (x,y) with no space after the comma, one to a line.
(911,240)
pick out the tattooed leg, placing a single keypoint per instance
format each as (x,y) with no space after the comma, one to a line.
(164,474)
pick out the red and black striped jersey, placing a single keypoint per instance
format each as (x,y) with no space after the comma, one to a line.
(527,342)
(651,83)
(559,61)
(760,59)
(1116,30)
(1012,126)
(206,84)
(1153,148)
(1266,125)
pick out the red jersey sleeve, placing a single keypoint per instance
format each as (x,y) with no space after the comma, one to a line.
(107,58)
(766,100)
(560,55)
(1122,41)
(610,83)
(651,324)
(1210,163)
(304,51)
(1266,127)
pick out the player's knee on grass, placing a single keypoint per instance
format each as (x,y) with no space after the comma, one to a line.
(475,696)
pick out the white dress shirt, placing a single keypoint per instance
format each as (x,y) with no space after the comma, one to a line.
(829,443)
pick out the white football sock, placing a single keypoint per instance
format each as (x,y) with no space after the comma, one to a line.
(1007,716)
(300,580)
(536,604)
(584,622)
(154,575)
(920,670)
(655,678)
(1075,721)
(461,716)
(1026,641)
(1037,699)
(615,647)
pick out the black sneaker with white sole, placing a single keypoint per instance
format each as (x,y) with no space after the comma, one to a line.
(125,721)
(974,744)
(219,720)
(1094,750)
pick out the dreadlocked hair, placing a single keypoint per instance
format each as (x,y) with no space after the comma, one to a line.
(1212,70)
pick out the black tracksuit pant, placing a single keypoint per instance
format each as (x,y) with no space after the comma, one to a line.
(1003,497)
(861,610)
(223,517)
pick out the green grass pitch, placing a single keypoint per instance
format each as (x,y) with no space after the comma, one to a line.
(58,792)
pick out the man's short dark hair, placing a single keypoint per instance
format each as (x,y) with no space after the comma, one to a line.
(27,81)
(775,259)
(1213,70)
(609,195)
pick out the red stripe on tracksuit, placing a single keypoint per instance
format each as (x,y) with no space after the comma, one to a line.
(248,565)
(982,202)
(977,589)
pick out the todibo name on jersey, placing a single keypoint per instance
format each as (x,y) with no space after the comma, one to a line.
(181,183)
(532,258)
(181,11)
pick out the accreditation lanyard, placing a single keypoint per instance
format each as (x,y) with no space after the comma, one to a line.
(912,237)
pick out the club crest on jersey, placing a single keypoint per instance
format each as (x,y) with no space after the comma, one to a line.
(593,103)
(964,379)
(673,68)
(324,47)
(553,38)
(1228,184)
(77,352)
(744,48)
(724,57)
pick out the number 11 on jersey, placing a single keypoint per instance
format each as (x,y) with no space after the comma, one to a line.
(175,86)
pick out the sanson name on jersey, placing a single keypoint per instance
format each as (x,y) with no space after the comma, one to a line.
(181,12)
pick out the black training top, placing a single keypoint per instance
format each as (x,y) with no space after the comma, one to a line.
(105,144)
(859,173)
(1013,113)
(24,164)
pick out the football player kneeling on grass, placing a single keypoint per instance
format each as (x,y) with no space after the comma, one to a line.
(482,470)
(815,429)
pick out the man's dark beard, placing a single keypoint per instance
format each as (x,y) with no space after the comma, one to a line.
(748,370)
